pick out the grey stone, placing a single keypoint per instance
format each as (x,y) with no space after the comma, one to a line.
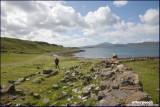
(47,71)
(108,101)
(100,95)
(21,79)
(97,89)
(16,83)
(37,81)
(114,56)
(115,86)
(9,90)
(93,96)
(55,104)
(118,94)
(65,87)
(36,95)
(11,81)
(67,72)
(86,91)
(46,101)
(18,104)
(4,86)
(38,73)
(56,86)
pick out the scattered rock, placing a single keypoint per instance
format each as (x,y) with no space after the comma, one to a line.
(115,86)
(56,86)
(19,91)
(68,99)
(108,101)
(38,73)
(47,71)
(93,96)
(114,56)
(9,104)
(100,95)
(67,72)
(97,89)
(140,96)
(4,86)
(9,90)
(86,91)
(46,101)
(37,81)
(21,79)
(16,83)
(36,95)
(65,87)
(55,104)
(18,104)
(11,81)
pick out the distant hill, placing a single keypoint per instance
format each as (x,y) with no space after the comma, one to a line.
(106,44)
(25,46)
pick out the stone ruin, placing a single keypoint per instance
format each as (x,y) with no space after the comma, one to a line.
(120,86)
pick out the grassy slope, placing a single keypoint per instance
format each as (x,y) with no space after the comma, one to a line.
(148,72)
(17,68)
(24,46)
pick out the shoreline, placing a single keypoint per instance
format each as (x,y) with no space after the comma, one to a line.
(71,54)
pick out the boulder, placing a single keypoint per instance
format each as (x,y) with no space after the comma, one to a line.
(36,95)
(54,72)
(47,71)
(119,94)
(100,95)
(140,96)
(16,83)
(86,91)
(46,101)
(4,86)
(114,56)
(97,89)
(37,81)
(38,72)
(108,101)
(18,104)
(21,79)
(93,96)
(56,86)
(55,104)
(9,90)
(65,87)
(11,81)
(67,72)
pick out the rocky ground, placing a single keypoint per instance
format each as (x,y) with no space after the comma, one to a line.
(107,83)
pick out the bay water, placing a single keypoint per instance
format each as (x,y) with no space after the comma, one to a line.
(122,52)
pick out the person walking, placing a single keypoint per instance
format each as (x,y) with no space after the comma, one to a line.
(56,63)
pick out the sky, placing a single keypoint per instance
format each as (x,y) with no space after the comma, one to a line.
(81,23)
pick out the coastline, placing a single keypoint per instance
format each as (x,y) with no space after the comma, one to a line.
(69,53)
(127,59)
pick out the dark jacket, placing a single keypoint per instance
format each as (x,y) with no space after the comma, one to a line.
(56,61)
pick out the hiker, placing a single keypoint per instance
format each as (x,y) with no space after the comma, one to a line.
(56,62)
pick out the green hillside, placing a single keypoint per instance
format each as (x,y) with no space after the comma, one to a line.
(24,46)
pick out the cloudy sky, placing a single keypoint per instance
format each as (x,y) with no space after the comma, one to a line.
(80,23)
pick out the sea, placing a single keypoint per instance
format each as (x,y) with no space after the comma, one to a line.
(122,52)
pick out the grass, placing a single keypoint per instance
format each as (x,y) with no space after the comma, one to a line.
(148,72)
(14,66)
(12,45)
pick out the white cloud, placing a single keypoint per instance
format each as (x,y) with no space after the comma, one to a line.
(120,3)
(54,22)
(151,17)
(99,20)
